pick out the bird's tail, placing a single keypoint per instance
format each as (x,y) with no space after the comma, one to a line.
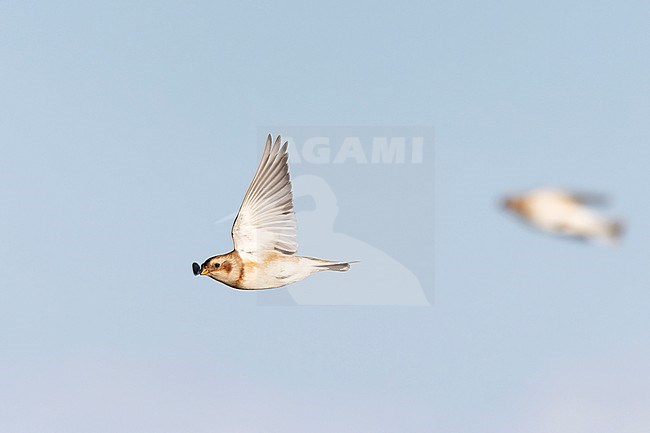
(615,230)
(328,265)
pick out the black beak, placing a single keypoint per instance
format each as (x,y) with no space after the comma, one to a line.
(196,269)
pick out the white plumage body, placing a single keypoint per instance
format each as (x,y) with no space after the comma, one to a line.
(277,269)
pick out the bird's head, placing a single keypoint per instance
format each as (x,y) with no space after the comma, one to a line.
(214,266)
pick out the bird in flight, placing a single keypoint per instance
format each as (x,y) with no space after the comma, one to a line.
(264,233)
(563,213)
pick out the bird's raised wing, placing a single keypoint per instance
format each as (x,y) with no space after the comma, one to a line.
(590,198)
(266,220)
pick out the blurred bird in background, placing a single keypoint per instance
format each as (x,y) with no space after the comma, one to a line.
(564,213)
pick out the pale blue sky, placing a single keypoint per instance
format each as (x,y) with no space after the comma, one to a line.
(128,129)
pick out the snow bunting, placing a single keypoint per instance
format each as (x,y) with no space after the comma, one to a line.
(563,213)
(264,233)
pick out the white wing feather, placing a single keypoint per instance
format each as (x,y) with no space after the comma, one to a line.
(266,220)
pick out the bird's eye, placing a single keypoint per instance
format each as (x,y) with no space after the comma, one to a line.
(216,265)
